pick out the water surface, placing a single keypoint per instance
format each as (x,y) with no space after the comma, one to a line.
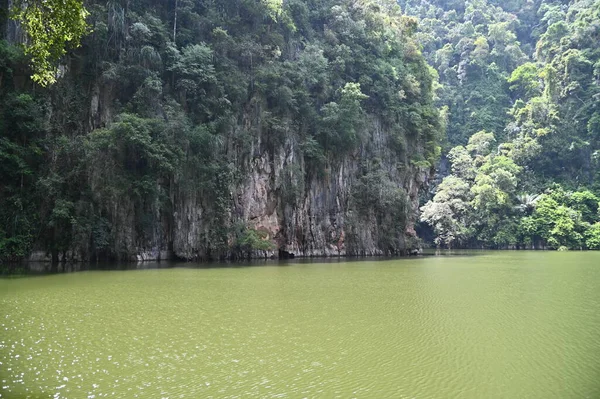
(494,325)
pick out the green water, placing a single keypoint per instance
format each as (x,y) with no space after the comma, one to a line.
(496,325)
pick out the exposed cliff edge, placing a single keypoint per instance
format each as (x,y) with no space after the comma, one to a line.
(252,129)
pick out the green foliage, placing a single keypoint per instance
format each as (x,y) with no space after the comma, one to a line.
(166,105)
(559,221)
(476,200)
(478,204)
(21,157)
(480,144)
(341,122)
(559,114)
(542,58)
(525,81)
(587,203)
(51,25)
(376,195)
(447,212)
(248,240)
(474,47)
(10,59)
(15,246)
(136,147)
(593,237)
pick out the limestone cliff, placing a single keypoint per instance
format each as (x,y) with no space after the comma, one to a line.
(300,210)
(323,220)
(249,129)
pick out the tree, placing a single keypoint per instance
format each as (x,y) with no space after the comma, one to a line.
(447,212)
(525,81)
(51,25)
(342,120)
(169,105)
(593,237)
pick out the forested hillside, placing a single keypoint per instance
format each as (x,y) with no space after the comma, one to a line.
(520,85)
(209,129)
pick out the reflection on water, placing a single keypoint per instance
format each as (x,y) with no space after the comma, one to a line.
(37,268)
(496,325)
(33,268)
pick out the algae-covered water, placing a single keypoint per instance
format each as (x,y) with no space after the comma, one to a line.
(490,325)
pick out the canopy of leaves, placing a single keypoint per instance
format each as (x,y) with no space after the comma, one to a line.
(526,72)
(169,103)
(51,26)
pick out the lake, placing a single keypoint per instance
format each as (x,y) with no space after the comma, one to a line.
(477,325)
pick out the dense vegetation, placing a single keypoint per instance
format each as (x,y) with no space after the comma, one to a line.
(520,83)
(51,25)
(171,103)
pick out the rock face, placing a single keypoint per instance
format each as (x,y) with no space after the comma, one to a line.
(302,212)
(322,219)
(363,203)
(306,161)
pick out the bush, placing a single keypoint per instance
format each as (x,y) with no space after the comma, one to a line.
(593,237)
(248,240)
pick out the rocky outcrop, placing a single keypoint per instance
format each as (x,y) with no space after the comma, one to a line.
(149,196)
(322,219)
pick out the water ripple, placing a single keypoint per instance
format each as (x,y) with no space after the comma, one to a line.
(516,325)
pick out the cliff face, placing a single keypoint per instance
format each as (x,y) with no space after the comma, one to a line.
(299,209)
(324,219)
(252,129)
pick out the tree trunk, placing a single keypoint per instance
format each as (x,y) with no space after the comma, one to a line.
(175,22)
